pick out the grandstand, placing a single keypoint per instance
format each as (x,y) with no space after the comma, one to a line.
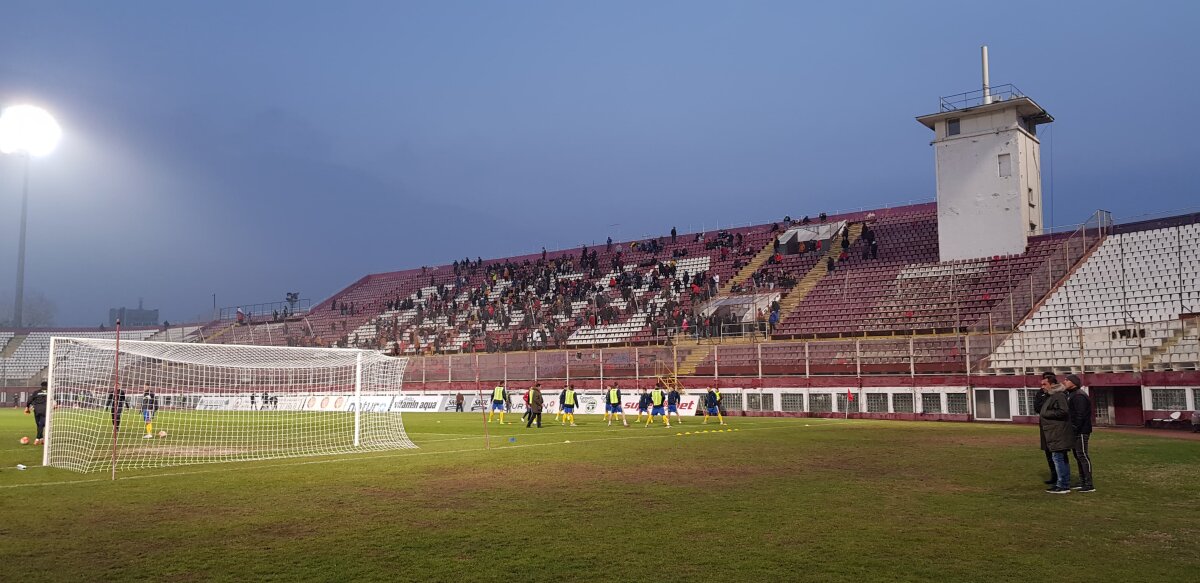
(914,335)
(936,310)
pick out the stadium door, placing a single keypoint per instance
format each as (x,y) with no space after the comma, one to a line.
(993,404)
(1116,405)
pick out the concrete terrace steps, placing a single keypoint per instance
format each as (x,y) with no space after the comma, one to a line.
(818,271)
(748,270)
(11,346)
(1190,328)
(219,333)
(688,365)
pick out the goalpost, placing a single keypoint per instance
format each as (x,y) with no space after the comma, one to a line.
(173,403)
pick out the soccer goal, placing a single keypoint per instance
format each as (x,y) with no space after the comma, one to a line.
(155,404)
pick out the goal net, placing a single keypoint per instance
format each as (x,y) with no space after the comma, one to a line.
(181,403)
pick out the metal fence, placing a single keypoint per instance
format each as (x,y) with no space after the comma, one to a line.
(1169,345)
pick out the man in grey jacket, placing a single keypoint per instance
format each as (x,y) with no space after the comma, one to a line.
(1055,421)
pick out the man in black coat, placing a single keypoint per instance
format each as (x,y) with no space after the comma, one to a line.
(1048,381)
(1055,421)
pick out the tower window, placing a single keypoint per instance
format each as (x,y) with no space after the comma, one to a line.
(952,128)
(1004,163)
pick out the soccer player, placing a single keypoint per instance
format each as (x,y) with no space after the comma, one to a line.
(643,404)
(499,403)
(149,408)
(658,398)
(116,407)
(612,406)
(562,395)
(567,402)
(37,401)
(673,404)
(712,405)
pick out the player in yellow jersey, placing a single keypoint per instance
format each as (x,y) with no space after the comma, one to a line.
(658,398)
(499,402)
(568,400)
(613,407)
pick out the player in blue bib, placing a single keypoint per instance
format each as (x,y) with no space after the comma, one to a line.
(643,405)
(673,404)
(712,405)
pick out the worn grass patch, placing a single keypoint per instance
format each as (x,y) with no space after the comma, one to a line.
(820,500)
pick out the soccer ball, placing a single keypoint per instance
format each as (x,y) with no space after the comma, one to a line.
(25,440)
(162,433)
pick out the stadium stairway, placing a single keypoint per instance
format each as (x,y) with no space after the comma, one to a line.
(748,270)
(687,366)
(1190,329)
(810,280)
(11,346)
(219,333)
(1076,264)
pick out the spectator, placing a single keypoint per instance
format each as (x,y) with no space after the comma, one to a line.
(823,217)
(673,235)
(829,265)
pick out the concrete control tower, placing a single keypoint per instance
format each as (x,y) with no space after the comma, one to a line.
(989,170)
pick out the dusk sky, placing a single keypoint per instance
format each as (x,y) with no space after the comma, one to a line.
(248,149)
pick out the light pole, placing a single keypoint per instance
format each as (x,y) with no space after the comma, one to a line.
(27,131)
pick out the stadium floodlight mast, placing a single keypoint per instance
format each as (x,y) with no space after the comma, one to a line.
(27,131)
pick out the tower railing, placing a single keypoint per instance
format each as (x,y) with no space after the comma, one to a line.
(979,97)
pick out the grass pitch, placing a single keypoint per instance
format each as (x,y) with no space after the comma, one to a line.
(783,499)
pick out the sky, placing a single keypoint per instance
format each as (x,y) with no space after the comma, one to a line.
(249,149)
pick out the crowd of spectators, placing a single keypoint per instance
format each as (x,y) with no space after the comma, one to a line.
(539,301)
